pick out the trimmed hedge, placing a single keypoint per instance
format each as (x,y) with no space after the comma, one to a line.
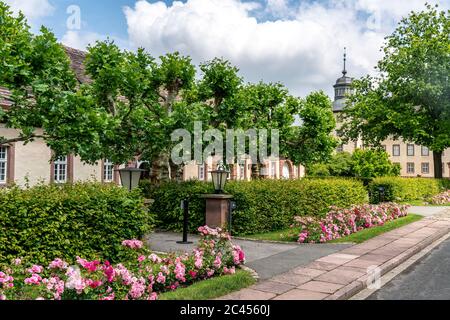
(262,205)
(406,189)
(85,219)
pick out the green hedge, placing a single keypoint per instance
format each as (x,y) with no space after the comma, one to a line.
(262,205)
(406,189)
(86,219)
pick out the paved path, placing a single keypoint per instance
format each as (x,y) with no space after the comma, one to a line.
(343,274)
(266,258)
(428,211)
(427,280)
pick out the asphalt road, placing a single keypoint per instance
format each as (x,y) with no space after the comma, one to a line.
(427,280)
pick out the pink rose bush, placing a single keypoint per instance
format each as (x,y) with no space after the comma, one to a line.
(143,277)
(442,198)
(339,223)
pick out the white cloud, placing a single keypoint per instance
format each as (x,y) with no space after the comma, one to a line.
(278,8)
(32,9)
(303,49)
(81,39)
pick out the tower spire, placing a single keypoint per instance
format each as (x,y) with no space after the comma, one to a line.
(344,72)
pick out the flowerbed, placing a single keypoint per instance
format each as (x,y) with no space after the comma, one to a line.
(342,222)
(442,198)
(144,276)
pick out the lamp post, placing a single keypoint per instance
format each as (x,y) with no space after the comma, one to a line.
(130,177)
(218,204)
(382,191)
(219,178)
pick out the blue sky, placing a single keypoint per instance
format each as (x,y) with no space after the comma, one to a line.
(100,16)
(296,42)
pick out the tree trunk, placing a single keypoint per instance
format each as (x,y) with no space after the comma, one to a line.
(437,160)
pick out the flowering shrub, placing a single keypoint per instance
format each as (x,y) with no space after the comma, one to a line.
(88,219)
(343,222)
(256,212)
(442,198)
(143,277)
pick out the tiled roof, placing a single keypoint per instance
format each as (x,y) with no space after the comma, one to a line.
(76,57)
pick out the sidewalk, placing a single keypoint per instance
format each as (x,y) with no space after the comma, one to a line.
(340,275)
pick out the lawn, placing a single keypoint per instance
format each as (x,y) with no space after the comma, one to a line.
(291,235)
(367,234)
(211,288)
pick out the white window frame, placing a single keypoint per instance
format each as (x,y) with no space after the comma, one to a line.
(60,166)
(425,152)
(410,147)
(3,165)
(241,170)
(410,165)
(201,172)
(427,166)
(396,147)
(108,171)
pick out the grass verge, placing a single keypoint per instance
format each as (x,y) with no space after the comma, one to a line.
(211,288)
(291,235)
(367,234)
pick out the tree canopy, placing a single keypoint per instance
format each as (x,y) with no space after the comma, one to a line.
(410,98)
(132,102)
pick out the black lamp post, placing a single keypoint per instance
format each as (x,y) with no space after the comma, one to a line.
(219,178)
(382,191)
(130,177)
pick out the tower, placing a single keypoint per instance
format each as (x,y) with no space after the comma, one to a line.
(342,87)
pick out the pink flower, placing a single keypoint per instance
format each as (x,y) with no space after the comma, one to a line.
(141,258)
(58,264)
(17,261)
(109,273)
(153,296)
(110,297)
(35,269)
(133,244)
(153,257)
(193,274)
(2,297)
(231,270)
(34,279)
(218,261)
(161,278)
(137,289)
(209,273)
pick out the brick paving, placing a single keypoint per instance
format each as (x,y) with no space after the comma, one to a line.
(341,275)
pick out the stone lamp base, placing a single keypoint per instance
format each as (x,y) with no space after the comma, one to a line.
(217,209)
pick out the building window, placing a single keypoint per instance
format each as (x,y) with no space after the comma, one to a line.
(425,167)
(108,171)
(410,167)
(242,172)
(340,148)
(425,151)
(201,172)
(396,150)
(3,164)
(60,167)
(273,169)
(410,150)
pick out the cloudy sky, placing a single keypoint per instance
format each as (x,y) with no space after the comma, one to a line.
(296,42)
